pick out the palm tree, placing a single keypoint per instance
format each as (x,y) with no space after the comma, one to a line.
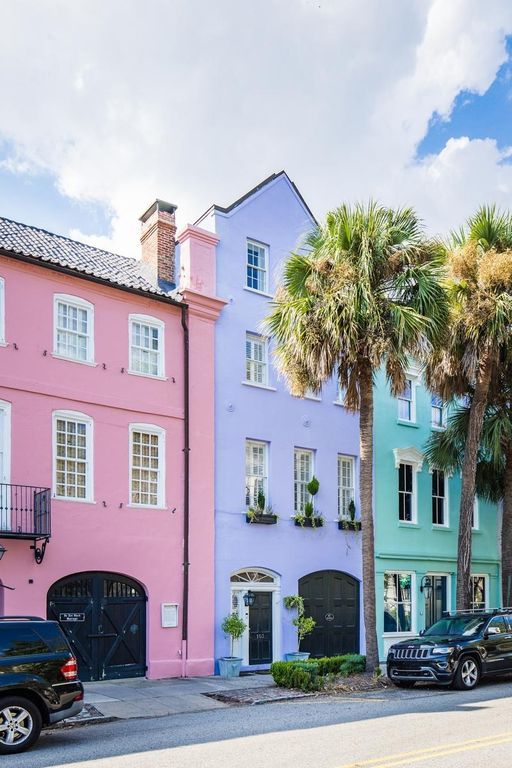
(480,287)
(493,480)
(365,291)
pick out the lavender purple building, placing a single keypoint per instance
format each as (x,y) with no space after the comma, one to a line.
(270,443)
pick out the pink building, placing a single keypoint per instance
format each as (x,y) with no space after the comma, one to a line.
(106,445)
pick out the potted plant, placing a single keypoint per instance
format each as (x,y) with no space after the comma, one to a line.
(234,626)
(304,625)
(261,513)
(350,523)
(310,518)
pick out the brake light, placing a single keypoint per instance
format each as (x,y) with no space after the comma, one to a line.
(70,669)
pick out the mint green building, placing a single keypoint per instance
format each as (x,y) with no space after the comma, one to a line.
(416,520)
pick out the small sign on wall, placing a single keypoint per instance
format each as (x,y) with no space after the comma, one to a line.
(71,616)
(169,614)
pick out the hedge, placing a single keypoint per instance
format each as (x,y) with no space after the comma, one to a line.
(309,675)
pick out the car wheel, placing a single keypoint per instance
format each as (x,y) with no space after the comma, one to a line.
(404,683)
(468,674)
(20,724)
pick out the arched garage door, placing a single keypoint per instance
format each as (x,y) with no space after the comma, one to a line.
(104,618)
(332,599)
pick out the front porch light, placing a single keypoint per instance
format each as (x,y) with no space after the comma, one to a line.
(249,598)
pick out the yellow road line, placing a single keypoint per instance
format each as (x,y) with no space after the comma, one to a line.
(419,755)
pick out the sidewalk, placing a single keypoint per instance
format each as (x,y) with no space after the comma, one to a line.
(138,697)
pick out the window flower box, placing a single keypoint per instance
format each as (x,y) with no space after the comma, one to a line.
(305,521)
(349,525)
(260,518)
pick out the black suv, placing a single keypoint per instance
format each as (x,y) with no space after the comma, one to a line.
(457,650)
(39,684)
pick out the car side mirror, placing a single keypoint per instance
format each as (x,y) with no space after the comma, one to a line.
(492,631)
(422,632)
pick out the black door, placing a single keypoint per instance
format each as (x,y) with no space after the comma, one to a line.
(435,599)
(260,629)
(332,599)
(104,618)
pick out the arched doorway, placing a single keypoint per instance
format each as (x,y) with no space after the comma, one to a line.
(260,643)
(104,618)
(332,599)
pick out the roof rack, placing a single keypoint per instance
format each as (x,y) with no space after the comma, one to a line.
(477,611)
(21,618)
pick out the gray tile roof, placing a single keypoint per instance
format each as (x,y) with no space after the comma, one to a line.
(85,259)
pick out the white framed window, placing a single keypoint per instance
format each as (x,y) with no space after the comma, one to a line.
(302,475)
(439,498)
(405,493)
(257,266)
(256,472)
(398,602)
(2,311)
(147,465)
(256,359)
(146,346)
(73,328)
(438,415)
(479,591)
(475,519)
(72,456)
(345,484)
(407,402)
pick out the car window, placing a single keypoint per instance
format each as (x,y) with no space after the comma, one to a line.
(53,636)
(498,623)
(20,640)
(456,625)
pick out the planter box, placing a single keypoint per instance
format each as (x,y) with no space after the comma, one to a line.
(296,656)
(261,519)
(229,666)
(308,522)
(349,525)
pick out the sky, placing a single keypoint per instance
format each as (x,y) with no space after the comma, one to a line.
(108,105)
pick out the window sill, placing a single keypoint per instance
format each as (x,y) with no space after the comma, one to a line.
(435,428)
(476,530)
(3,343)
(404,524)
(441,527)
(147,375)
(405,633)
(404,423)
(258,293)
(146,506)
(90,363)
(339,403)
(259,386)
(73,500)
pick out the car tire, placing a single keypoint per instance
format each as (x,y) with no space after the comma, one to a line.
(404,683)
(20,724)
(468,674)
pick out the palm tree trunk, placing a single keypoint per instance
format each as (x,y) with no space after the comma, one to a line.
(467,499)
(506,532)
(366,494)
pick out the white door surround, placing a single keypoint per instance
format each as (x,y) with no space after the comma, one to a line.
(255,579)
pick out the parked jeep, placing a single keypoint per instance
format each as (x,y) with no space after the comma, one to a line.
(39,683)
(457,650)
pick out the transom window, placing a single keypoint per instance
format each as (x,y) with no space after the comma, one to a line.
(146,345)
(146,465)
(345,484)
(478,592)
(303,473)
(73,328)
(73,456)
(438,419)
(397,602)
(257,263)
(406,402)
(255,472)
(244,577)
(438,497)
(256,363)
(405,493)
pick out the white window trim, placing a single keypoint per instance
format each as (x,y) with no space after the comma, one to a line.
(238,590)
(266,249)
(446,524)
(265,445)
(437,427)
(485,577)
(265,341)
(89,478)
(152,429)
(476,515)
(2,313)
(80,303)
(413,457)
(414,622)
(313,461)
(156,323)
(344,457)
(413,377)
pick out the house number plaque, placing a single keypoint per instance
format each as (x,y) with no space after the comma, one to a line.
(71,616)
(329,616)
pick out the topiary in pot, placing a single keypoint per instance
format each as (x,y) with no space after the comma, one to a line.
(304,625)
(234,626)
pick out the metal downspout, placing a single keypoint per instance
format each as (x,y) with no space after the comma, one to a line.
(186,491)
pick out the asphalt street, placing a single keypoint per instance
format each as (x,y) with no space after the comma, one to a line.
(424,727)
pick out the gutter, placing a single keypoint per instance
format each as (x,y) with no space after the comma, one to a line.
(186,489)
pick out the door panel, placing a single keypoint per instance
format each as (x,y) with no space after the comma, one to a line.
(332,599)
(260,629)
(435,599)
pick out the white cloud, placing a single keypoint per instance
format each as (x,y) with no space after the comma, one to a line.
(195,102)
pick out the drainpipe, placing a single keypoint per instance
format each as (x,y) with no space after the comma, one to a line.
(186,490)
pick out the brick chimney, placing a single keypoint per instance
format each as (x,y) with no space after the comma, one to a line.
(158,241)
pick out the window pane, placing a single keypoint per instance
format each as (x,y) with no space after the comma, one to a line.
(145,348)
(72,464)
(145,471)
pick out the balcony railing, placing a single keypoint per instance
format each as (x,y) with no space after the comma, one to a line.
(25,512)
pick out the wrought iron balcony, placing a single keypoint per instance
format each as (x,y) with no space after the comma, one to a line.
(25,512)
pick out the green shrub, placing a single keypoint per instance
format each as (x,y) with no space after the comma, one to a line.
(296,674)
(350,664)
